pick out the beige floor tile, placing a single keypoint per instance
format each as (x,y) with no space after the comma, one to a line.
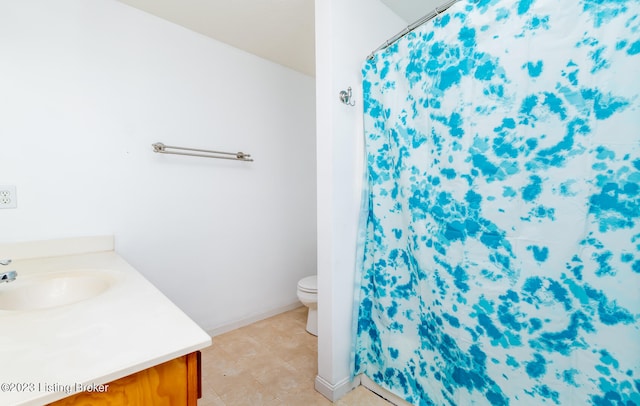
(282,379)
(217,360)
(306,365)
(210,398)
(272,362)
(303,398)
(361,396)
(260,364)
(243,390)
(238,343)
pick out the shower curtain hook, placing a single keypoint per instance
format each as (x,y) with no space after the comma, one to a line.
(345,97)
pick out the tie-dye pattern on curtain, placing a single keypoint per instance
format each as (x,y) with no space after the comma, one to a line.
(500,248)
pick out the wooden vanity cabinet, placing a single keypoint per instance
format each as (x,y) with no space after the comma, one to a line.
(173,383)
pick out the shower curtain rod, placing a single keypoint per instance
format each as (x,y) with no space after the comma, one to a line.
(413,26)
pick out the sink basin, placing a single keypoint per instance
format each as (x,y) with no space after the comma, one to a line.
(53,290)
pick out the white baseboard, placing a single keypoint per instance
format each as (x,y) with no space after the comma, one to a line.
(335,392)
(382,392)
(216,331)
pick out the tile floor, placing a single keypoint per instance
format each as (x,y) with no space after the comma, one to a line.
(272,362)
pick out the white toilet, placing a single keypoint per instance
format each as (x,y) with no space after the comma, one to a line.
(308,295)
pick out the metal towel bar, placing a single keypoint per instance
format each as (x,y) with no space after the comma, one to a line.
(205,153)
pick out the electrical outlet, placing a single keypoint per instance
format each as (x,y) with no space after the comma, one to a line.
(8,198)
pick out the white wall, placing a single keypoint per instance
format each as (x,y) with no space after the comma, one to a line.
(346,32)
(86,86)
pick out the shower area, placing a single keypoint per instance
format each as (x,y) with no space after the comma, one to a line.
(498,256)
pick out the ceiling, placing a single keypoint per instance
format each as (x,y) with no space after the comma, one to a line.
(281,31)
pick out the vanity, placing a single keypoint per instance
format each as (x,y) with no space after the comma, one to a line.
(79,325)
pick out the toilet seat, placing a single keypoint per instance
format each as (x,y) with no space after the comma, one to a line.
(308,284)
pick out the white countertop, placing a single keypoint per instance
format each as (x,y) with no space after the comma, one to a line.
(129,327)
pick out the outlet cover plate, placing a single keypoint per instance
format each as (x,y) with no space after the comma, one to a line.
(8,197)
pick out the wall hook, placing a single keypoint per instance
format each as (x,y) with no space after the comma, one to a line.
(345,97)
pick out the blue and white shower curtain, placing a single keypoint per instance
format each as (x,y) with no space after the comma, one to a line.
(500,229)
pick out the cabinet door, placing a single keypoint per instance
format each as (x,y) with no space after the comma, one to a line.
(173,383)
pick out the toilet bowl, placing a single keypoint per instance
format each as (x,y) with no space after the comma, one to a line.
(308,295)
